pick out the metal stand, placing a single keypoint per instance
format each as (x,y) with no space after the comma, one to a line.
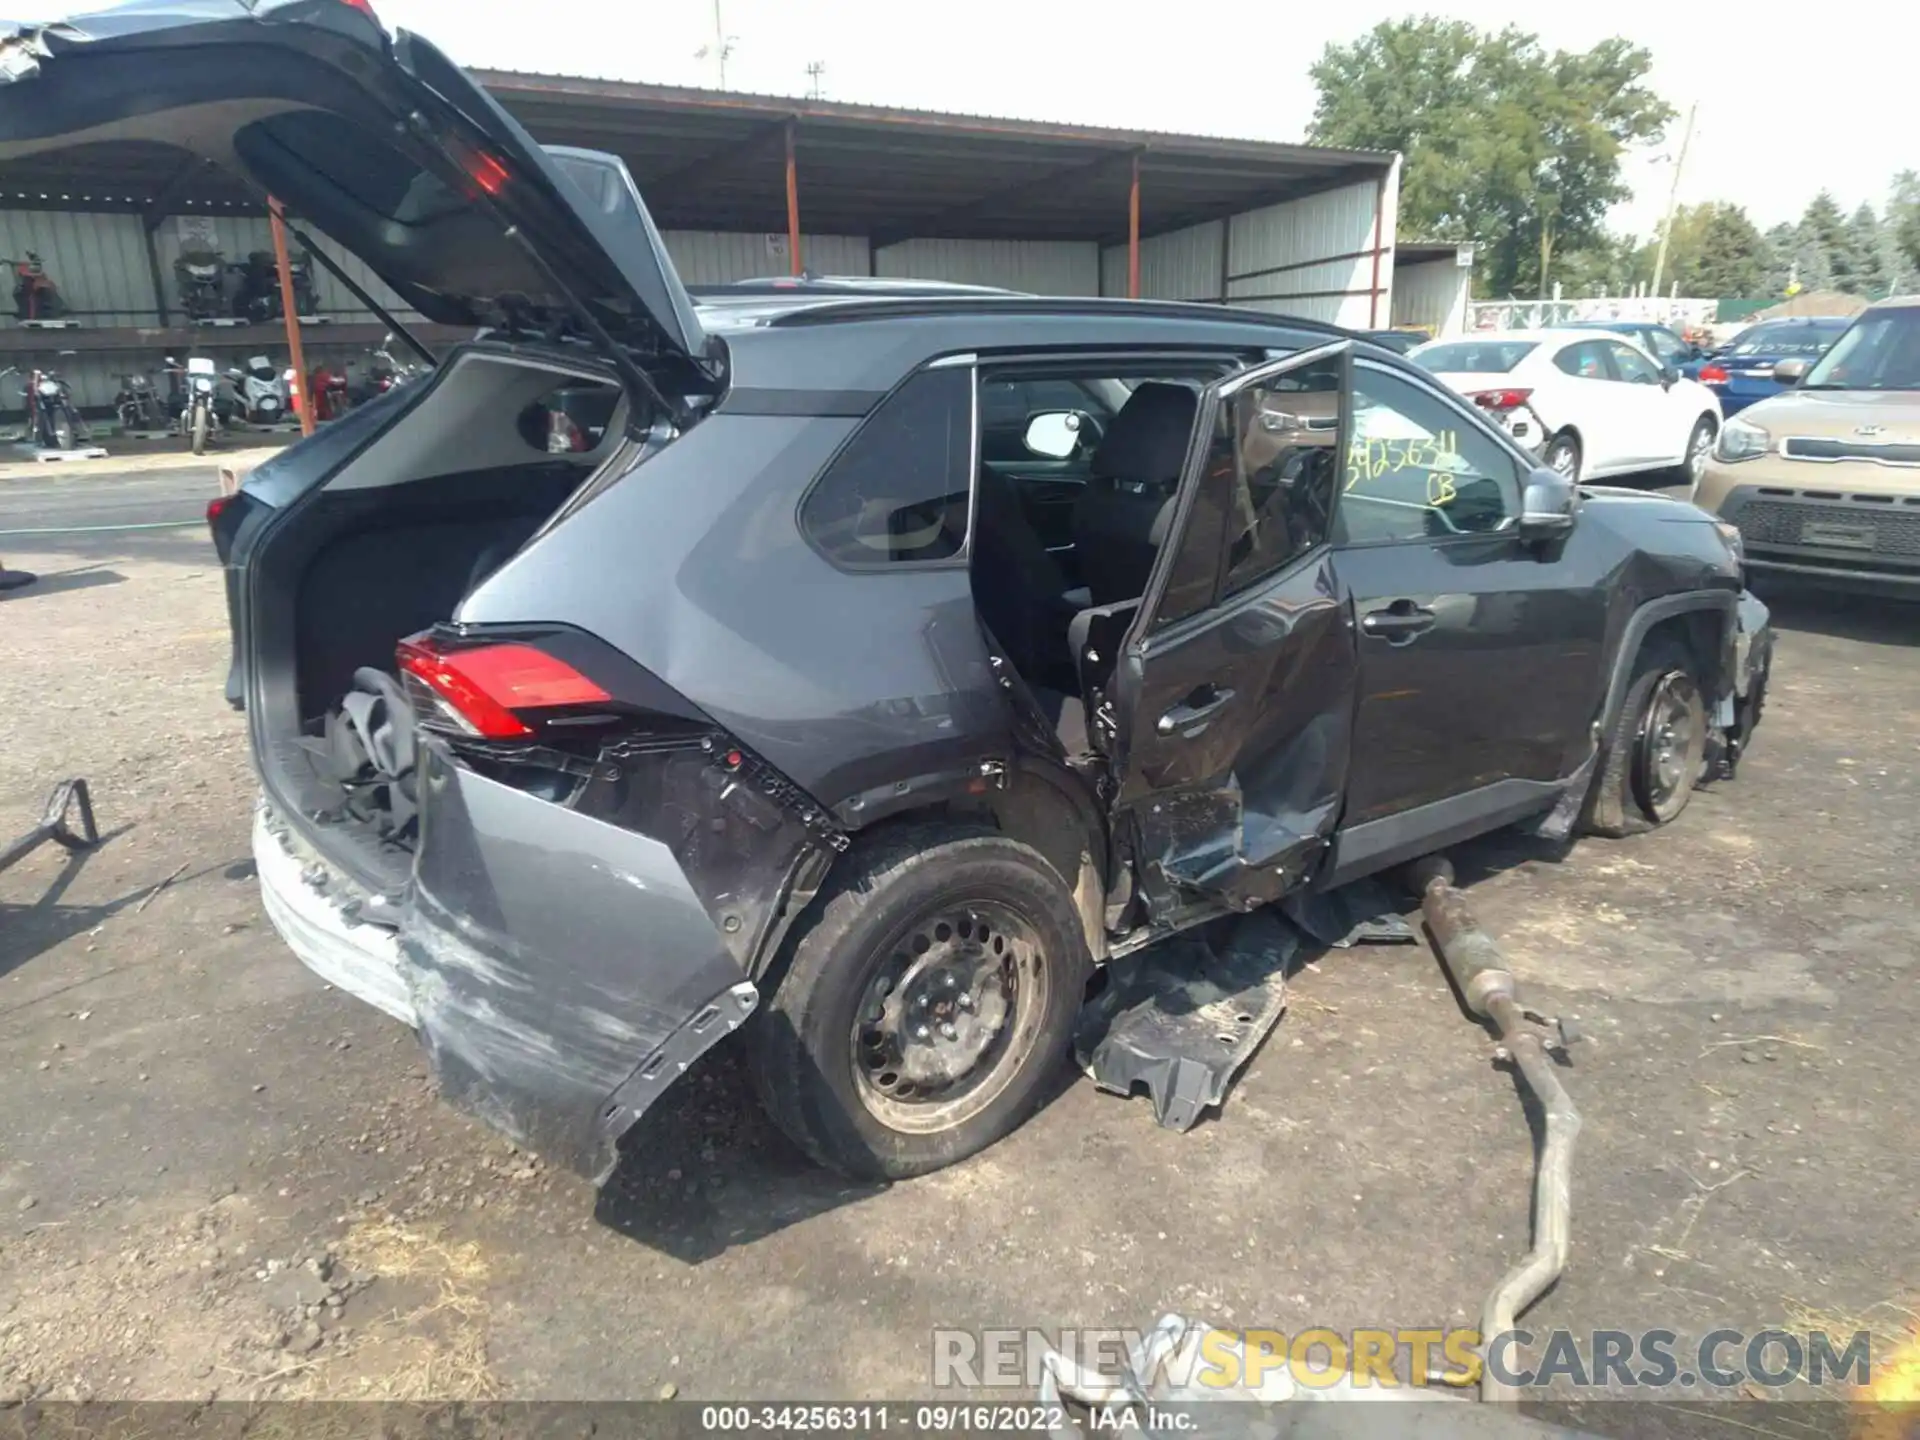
(68,796)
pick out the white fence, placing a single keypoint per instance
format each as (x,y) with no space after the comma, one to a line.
(1678,313)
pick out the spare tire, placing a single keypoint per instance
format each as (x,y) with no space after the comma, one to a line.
(368,753)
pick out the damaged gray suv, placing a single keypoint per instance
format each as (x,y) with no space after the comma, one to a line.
(851,671)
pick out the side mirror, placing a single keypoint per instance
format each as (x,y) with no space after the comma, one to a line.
(1056,434)
(1789,372)
(1548,505)
(1668,375)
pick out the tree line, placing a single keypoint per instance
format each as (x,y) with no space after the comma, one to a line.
(1518,149)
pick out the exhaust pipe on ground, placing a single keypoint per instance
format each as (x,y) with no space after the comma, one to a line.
(1488,986)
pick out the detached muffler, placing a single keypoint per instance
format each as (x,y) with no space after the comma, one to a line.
(1487,985)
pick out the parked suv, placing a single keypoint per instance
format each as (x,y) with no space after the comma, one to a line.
(1823,480)
(795,704)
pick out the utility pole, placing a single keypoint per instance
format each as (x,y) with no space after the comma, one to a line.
(1673,199)
(815,70)
(721,47)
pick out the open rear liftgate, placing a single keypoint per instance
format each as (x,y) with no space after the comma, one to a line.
(1181,1019)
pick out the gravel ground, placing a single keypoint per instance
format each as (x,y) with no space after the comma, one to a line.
(220,1178)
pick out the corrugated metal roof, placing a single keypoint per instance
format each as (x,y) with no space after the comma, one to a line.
(716,160)
(503,82)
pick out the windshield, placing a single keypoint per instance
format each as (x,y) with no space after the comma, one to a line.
(1804,340)
(1881,351)
(1473,357)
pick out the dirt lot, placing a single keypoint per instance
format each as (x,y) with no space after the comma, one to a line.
(217,1177)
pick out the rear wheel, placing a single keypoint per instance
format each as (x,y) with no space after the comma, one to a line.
(924,1006)
(1562,455)
(1656,751)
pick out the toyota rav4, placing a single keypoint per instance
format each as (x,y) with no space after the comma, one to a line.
(866,668)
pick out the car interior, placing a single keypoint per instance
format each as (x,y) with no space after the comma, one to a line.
(1106,503)
(1102,488)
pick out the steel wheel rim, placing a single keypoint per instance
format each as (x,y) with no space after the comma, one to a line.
(949,1017)
(1672,741)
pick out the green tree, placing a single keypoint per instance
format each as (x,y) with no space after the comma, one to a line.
(1903,221)
(1783,245)
(1819,239)
(1507,144)
(1715,250)
(1860,266)
(1609,265)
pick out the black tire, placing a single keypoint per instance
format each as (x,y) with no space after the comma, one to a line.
(1641,782)
(1563,454)
(1693,460)
(62,430)
(809,1054)
(200,428)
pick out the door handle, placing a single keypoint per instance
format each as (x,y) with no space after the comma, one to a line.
(1399,624)
(1194,709)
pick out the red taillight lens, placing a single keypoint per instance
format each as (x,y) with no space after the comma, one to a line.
(217,506)
(1500,399)
(1713,375)
(481,686)
(487,171)
(363,6)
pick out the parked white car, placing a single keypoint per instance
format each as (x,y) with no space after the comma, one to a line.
(1590,404)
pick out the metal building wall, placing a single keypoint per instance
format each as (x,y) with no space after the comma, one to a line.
(1045,267)
(98,261)
(713,257)
(1181,265)
(235,236)
(1313,257)
(1432,296)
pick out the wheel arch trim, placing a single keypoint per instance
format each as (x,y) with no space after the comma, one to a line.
(1723,604)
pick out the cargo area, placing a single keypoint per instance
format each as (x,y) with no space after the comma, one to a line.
(386,546)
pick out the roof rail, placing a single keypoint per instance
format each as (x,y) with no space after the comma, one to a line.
(897,308)
(853,287)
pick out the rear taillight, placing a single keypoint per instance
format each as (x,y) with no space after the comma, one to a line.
(1500,399)
(485,689)
(1713,375)
(217,507)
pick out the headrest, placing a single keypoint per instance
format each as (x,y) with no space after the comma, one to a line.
(1147,441)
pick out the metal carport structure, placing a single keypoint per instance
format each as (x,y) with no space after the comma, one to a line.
(755,185)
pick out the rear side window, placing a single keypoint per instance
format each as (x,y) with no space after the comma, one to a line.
(898,493)
(1473,357)
(1585,361)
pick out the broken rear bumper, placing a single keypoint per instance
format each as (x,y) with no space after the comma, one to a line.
(559,970)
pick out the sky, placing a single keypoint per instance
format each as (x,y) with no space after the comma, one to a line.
(1789,100)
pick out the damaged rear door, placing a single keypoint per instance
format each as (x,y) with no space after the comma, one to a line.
(1233,695)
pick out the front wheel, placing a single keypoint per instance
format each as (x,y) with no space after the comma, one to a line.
(62,430)
(1656,751)
(201,425)
(926,1002)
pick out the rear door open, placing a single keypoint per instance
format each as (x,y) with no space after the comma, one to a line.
(1233,694)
